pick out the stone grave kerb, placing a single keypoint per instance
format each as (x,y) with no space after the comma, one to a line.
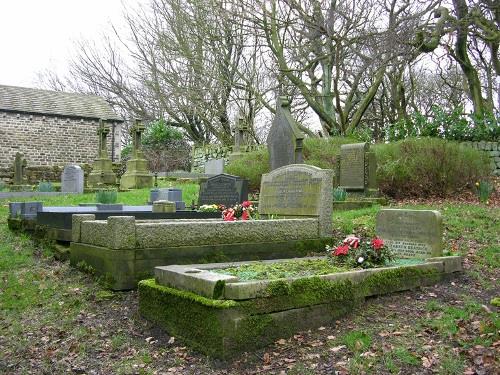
(298,190)
(284,141)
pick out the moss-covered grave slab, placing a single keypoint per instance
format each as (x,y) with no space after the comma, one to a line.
(220,316)
(125,250)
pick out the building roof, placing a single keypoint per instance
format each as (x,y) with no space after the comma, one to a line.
(55,103)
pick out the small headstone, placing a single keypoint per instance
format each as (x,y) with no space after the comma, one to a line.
(223,189)
(298,190)
(25,210)
(169,194)
(163,206)
(20,169)
(72,179)
(214,166)
(411,233)
(284,141)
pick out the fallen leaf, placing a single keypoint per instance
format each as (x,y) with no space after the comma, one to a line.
(330,337)
(171,340)
(426,362)
(337,348)
(267,359)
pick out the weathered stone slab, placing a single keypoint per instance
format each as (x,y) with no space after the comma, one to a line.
(284,141)
(72,179)
(411,233)
(214,166)
(352,166)
(298,190)
(223,189)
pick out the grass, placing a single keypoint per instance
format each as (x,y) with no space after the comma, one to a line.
(56,319)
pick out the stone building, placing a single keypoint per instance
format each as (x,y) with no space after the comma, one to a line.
(53,129)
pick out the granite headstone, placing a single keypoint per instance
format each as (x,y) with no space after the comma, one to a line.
(72,179)
(284,141)
(298,190)
(411,233)
(223,189)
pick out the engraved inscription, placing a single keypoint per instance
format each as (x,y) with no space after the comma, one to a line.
(291,194)
(352,167)
(409,249)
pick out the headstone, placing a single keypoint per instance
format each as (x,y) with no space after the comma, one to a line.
(25,210)
(169,194)
(72,179)
(411,233)
(356,169)
(20,169)
(223,189)
(298,190)
(284,141)
(137,175)
(214,166)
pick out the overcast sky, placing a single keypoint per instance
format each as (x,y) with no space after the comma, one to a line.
(36,35)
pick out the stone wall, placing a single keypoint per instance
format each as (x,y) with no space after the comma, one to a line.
(493,151)
(203,153)
(48,141)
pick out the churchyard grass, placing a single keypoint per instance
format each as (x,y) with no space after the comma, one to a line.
(57,319)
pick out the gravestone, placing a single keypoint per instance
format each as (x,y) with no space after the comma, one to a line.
(72,179)
(284,141)
(356,169)
(411,233)
(20,169)
(137,175)
(214,166)
(298,190)
(223,189)
(102,169)
(169,194)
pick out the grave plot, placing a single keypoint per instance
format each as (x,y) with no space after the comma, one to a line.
(216,313)
(126,251)
(223,309)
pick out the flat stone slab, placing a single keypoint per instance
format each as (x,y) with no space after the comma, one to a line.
(28,194)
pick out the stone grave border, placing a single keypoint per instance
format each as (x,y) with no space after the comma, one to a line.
(222,317)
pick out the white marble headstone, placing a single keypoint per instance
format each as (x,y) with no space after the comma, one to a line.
(72,179)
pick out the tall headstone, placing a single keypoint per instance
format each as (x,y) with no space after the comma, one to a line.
(20,169)
(72,179)
(356,169)
(102,169)
(214,166)
(137,175)
(284,141)
(411,233)
(298,190)
(223,189)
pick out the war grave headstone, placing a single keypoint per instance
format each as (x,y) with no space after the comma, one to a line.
(72,179)
(356,174)
(214,166)
(411,233)
(298,190)
(284,141)
(223,189)
(102,168)
(137,175)
(20,182)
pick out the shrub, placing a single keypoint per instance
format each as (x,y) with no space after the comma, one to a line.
(423,167)
(106,196)
(45,186)
(251,165)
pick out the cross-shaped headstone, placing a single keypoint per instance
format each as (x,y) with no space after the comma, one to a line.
(102,132)
(136,133)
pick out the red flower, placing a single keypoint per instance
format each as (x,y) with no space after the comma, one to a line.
(352,241)
(228,215)
(246,204)
(341,250)
(377,243)
(245,215)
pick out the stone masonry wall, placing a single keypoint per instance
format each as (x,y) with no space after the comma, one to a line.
(203,153)
(49,141)
(493,151)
